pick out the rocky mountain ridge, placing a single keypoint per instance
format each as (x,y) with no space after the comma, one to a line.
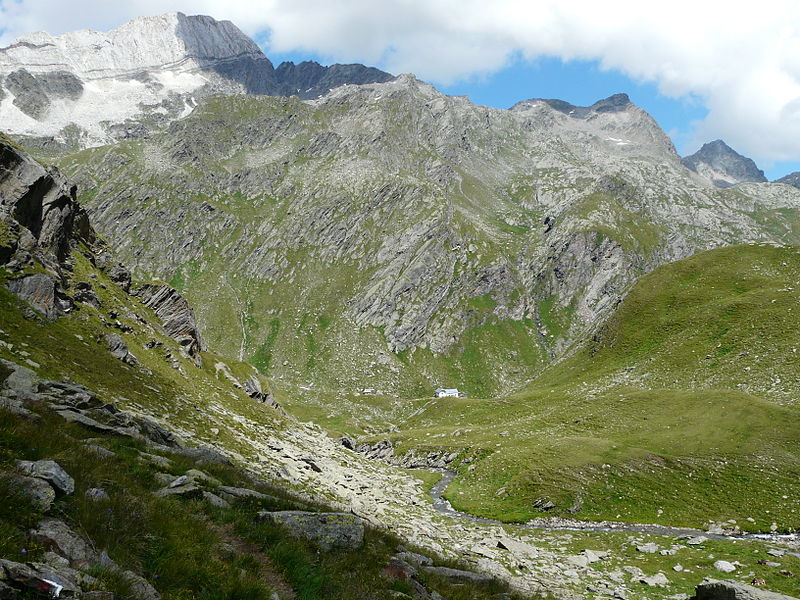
(88,87)
(724,166)
(417,226)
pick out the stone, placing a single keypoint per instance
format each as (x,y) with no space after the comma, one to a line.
(100,451)
(650,548)
(57,537)
(188,490)
(696,541)
(139,586)
(38,491)
(458,575)
(97,494)
(21,379)
(329,531)
(197,475)
(398,569)
(724,566)
(159,461)
(415,559)
(776,552)
(38,290)
(734,590)
(42,578)
(215,500)
(234,493)
(657,580)
(119,349)
(51,472)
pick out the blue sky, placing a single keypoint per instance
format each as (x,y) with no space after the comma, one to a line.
(579,82)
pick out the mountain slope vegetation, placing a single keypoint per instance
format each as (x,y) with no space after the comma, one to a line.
(690,386)
(431,241)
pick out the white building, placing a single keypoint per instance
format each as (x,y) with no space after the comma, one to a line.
(446,392)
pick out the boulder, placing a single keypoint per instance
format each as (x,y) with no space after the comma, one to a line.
(140,588)
(119,349)
(458,574)
(724,566)
(657,580)
(38,290)
(734,590)
(114,269)
(234,493)
(329,531)
(413,558)
(187,490)
(57,537)
(38,491)
(215,500)
(41,578)
(21,379)
(51,472)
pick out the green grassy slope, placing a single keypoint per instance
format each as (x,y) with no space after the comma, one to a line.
(184,548)
(681,410)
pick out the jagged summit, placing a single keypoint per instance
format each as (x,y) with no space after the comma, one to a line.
(790,179)
(614,103)
(723,165)
(146,72)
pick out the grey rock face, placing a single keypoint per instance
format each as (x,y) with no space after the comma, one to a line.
(42,201)
(309,79)
(32,93)
(734,590)
(119,349)
(410,241)
(790,179)
(176,316)
(458,574)
(38,290)
(41,494)
(51,472)
(329,531)
(57,537)
(723,165)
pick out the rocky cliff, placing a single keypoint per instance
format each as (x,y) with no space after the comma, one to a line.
(723,165)
(88,87)
(430,240)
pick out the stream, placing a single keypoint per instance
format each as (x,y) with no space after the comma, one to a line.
(444,507)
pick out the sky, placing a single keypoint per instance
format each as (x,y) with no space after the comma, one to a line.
(705,69)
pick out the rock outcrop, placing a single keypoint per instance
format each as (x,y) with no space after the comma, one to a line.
(723,166)
(734,590)
(467,240)
(176,316)
(329,531)
(40,223)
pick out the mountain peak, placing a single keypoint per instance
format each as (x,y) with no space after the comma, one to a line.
(153,68)
(723,165)
(614,103)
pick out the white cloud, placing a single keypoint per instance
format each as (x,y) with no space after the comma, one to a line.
(743,59)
